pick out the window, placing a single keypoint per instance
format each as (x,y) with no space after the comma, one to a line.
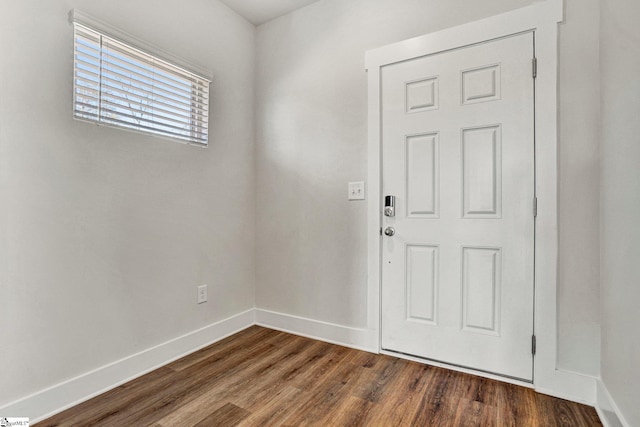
(116,84)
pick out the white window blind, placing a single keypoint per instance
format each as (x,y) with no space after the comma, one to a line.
(116,84)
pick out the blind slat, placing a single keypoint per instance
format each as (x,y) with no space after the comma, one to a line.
(87,82)
(110,84)
(182,114)
(147,69)
(163,114)
(148,83)
(170,71)
(118,85)
(151,116)
(110,113)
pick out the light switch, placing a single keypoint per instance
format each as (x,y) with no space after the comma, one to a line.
(356,190)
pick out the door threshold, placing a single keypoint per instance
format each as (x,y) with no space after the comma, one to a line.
(458,368)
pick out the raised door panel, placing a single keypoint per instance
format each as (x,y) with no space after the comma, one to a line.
(481,279)
(422,175)
(482,172)
(422,283)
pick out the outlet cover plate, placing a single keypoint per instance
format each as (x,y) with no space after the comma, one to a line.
(202,294)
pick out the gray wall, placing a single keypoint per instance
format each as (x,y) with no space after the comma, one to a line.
(620,207)
(312,139)
(105,233)
(578,191)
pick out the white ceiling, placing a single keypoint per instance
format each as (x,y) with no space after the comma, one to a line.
(261,11)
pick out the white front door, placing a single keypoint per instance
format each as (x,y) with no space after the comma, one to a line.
(458,155)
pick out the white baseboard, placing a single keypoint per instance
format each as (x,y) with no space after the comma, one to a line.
(59,397)
(361,339)
(567,385)
(607,409)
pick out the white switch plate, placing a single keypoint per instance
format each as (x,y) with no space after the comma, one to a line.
(202,294)
(356,190)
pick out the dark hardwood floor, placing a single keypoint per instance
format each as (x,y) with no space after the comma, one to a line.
(261,377)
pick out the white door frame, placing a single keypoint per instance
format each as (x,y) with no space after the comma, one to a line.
(543,19)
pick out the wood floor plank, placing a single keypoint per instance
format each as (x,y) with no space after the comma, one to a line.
(471,413)
(274,408)
(189,384)
(233,344)
(227,416)
(402,402)
(232,384)
(321,370)
(365,359)
(272,377)
(322,398)
(261,377)
(372,384)
(351,411)
(517,407)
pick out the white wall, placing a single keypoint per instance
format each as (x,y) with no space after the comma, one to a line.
(578,191)
(312,139)
(105,234)
(620,207)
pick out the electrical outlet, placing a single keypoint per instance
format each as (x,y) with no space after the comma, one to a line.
(202,294)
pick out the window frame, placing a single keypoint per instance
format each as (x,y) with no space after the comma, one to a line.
(199,76)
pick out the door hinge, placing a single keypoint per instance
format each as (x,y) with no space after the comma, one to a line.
(533,344)
(381,231)
(534,67)
(535,207)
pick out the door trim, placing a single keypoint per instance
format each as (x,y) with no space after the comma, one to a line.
(542,19)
